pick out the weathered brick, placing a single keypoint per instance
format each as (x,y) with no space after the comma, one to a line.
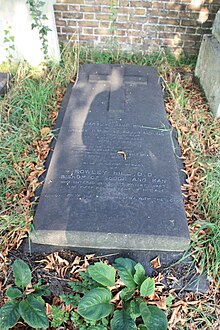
(169,21)
(121,32)
(69,29)
(87,31)
(89,23)
(126,10)
(62,37)
(72,15)
(59,7)
(71,1)
(157,4)
(90,37)
(102,17)
(191,30)
(60,22)
(123,18)
(153,20)
(104,24)
(105,9)
(58,14)
(137,19)
(188,22)
(173,6)
(140,11)
(180,29)
(88,16)
(102,31)
(90,9)
(74,8)
(188,14)
(136,3)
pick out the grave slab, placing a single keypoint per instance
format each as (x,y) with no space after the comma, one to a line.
(113,181)
(4,80)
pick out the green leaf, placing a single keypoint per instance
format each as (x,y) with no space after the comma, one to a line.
(134,309)
(153,317)
(33,313)
(126,294)
(22,273)
(169,301)
(12,38)
(105,321)
(13,293)
(147,287)
(126,271)
(142,327)
(102,273)
(9,315)
(122,321)
(96,304)
(139,275)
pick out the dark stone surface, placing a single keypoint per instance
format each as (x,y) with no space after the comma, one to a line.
(4,80)
(113,181)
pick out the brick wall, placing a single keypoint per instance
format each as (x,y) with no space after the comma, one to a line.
(149,25)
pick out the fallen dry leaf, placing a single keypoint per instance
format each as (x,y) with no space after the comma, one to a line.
(156,262)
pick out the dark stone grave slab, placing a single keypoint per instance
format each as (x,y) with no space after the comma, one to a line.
(113,181)
(4,81)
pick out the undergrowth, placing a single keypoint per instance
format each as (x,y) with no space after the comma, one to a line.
(27,113)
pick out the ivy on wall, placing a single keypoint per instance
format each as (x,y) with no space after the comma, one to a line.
(35,7)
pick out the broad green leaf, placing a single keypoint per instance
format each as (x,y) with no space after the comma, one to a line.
(33,313)
(139,275)
(142,327)
(13,293)
(96,304)
(126,294)
(22,273)
(147,287)
(126,271)
(102,273)
(134,309)
(9,315)
(122,321)
(153,317)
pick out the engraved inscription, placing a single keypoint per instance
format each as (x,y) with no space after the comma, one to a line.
(87,180)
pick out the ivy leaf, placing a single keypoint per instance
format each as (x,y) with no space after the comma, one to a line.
(13,293)
(9,315)
(122,321)
(33,313)
(126,271)
(22,273)
(147,287)
(139,275)
(96,304)
(153,317)
(102,274)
